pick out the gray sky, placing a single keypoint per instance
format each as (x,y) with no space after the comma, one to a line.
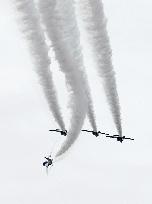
(96,170)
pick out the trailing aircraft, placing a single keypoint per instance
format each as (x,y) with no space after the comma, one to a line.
(119,138)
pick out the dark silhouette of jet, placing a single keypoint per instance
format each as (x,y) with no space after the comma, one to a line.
(119,138)
(63,132)
(48,162)
(94,132)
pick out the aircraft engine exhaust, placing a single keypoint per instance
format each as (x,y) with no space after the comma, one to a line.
(90,112)
(59,20)
(94,21)
(32,30)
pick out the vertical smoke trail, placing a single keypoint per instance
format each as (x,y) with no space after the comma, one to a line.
(58,17)
(90,113)
(95,24)
(31,27)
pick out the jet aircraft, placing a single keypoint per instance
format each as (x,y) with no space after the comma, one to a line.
(63,132)
(48,162)
(94,132)
(119,138)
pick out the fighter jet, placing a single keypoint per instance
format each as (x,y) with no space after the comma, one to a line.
(94,132)
(63,132)
(119,138)
(48,162)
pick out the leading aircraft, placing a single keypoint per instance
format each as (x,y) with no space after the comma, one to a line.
(48,162)
(96,133)
(63,132)
(119,138)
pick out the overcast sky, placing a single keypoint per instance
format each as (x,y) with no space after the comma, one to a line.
(96,170)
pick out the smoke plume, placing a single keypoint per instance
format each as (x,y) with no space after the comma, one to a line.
(31,27)
(90,113)
(59,19)
(95,24)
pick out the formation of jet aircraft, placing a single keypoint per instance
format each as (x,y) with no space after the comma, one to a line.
(49,160)
(96,133)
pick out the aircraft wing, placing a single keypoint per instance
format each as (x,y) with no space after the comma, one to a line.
(128,138)
(111,136)
(103,133)
(56,130)
(87,130)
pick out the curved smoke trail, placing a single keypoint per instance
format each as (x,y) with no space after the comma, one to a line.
(59,19)
(95,24)
(31,28)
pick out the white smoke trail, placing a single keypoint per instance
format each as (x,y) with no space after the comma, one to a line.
(90,113)
(31,27)
(58,17)
(95,24)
